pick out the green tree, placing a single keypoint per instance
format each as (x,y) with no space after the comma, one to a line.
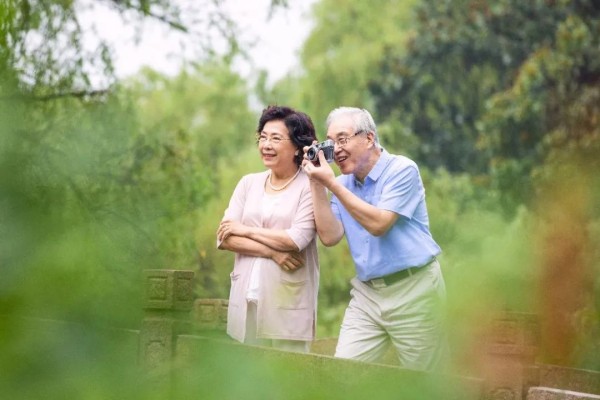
(483,85)
(510,90)
(108,178)
(461,54)
(341,54)
(43,42)
(549,114)
(188,125)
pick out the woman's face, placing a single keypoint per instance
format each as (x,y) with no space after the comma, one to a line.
(275,146)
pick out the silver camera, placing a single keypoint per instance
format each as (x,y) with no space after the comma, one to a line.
(312,154)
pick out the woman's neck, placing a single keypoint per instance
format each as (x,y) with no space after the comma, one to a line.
(275,184)
(281,176)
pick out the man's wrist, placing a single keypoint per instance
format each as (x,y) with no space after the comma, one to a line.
(333,186)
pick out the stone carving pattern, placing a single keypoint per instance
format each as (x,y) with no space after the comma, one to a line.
(506,332)
(156,353)
(184,289)
(157,288)
(207,313)
(223,313)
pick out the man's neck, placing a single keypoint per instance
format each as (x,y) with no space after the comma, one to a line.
(363,170)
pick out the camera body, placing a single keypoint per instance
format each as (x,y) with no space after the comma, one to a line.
(312,154)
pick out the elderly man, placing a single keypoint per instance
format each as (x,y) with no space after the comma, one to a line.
(379,204)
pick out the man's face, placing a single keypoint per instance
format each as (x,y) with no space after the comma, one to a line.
(350,149)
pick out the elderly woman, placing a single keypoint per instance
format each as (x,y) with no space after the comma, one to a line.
(269,225)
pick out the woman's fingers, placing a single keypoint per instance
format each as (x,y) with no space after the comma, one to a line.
(223,233)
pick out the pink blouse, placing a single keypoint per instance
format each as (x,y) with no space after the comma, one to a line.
(287,301)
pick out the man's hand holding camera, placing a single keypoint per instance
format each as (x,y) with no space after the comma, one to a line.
(327,147)
(316,162)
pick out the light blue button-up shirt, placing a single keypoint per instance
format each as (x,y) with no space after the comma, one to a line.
(393,184)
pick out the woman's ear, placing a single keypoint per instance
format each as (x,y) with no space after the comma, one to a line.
(297,152)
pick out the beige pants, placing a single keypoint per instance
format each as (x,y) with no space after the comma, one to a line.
(299,346)
(407,314)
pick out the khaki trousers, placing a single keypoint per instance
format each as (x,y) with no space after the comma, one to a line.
(407,314)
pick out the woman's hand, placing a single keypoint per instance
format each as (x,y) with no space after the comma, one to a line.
(228,228)
(288,260)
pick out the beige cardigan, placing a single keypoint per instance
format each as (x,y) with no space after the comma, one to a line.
(287,301)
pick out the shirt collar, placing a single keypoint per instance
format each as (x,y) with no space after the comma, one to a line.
(378,168)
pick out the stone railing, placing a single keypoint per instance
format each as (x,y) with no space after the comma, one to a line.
(184,348)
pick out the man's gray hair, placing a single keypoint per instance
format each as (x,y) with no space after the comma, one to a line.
(363,121)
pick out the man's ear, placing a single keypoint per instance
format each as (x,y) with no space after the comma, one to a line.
(371,138)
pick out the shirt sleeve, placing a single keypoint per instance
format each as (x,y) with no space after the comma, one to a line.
(235,209)
(302,230)
(402,192)
(335,208)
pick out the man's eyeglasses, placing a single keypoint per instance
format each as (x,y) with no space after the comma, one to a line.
(342,141)
(273,139)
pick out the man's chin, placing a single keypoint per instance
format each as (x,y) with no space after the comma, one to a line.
(343,167)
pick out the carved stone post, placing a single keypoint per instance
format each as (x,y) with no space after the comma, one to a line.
(210,314)
(168,300)
(511,351)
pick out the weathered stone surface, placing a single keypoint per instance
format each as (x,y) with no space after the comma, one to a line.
(569,379)
(326,347)
(510,350)
(210,314)
(169,297)
(229,370)
(168,289)
(515,332)
(509,372)
(156,342)
(544,393)
(504,378)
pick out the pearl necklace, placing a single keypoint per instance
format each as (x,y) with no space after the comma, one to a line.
(277,189)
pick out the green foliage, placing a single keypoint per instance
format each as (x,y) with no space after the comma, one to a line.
(298,376)
(58,226)
(341,53)
(487,88)
(336,271)
(216,265)
(552,107)
(187,124)
(42,41)
(95,192)
(460,55)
